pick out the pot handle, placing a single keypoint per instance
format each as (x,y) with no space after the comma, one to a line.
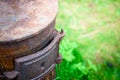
(59,56)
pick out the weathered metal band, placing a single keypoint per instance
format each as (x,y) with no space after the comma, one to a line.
(23,45)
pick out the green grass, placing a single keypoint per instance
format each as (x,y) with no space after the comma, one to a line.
(91,46)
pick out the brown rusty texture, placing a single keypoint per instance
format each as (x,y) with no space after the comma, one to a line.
(51,75)
(25,26)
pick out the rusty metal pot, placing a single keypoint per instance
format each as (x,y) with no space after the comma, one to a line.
(25,27)
(37,66)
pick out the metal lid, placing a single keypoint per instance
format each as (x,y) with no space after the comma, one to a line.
(20,19)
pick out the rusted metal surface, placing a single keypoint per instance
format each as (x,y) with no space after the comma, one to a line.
(23,18)
(29,43)
(12,50)
(25,26)
(50,75)
(36,66)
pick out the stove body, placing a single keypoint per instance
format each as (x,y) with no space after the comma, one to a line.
(39,65)
(29,42)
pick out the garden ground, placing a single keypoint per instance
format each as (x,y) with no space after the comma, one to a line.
(91,46)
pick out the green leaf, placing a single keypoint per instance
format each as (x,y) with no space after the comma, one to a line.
(92,66)
(81,67)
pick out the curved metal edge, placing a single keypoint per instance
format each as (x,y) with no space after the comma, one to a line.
(27,37)
(41,75)
(58,37)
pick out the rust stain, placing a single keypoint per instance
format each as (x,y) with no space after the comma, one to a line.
(8,55)
(50,76)
(6,64)
(12,51)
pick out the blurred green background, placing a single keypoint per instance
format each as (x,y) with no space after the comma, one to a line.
(91,46)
